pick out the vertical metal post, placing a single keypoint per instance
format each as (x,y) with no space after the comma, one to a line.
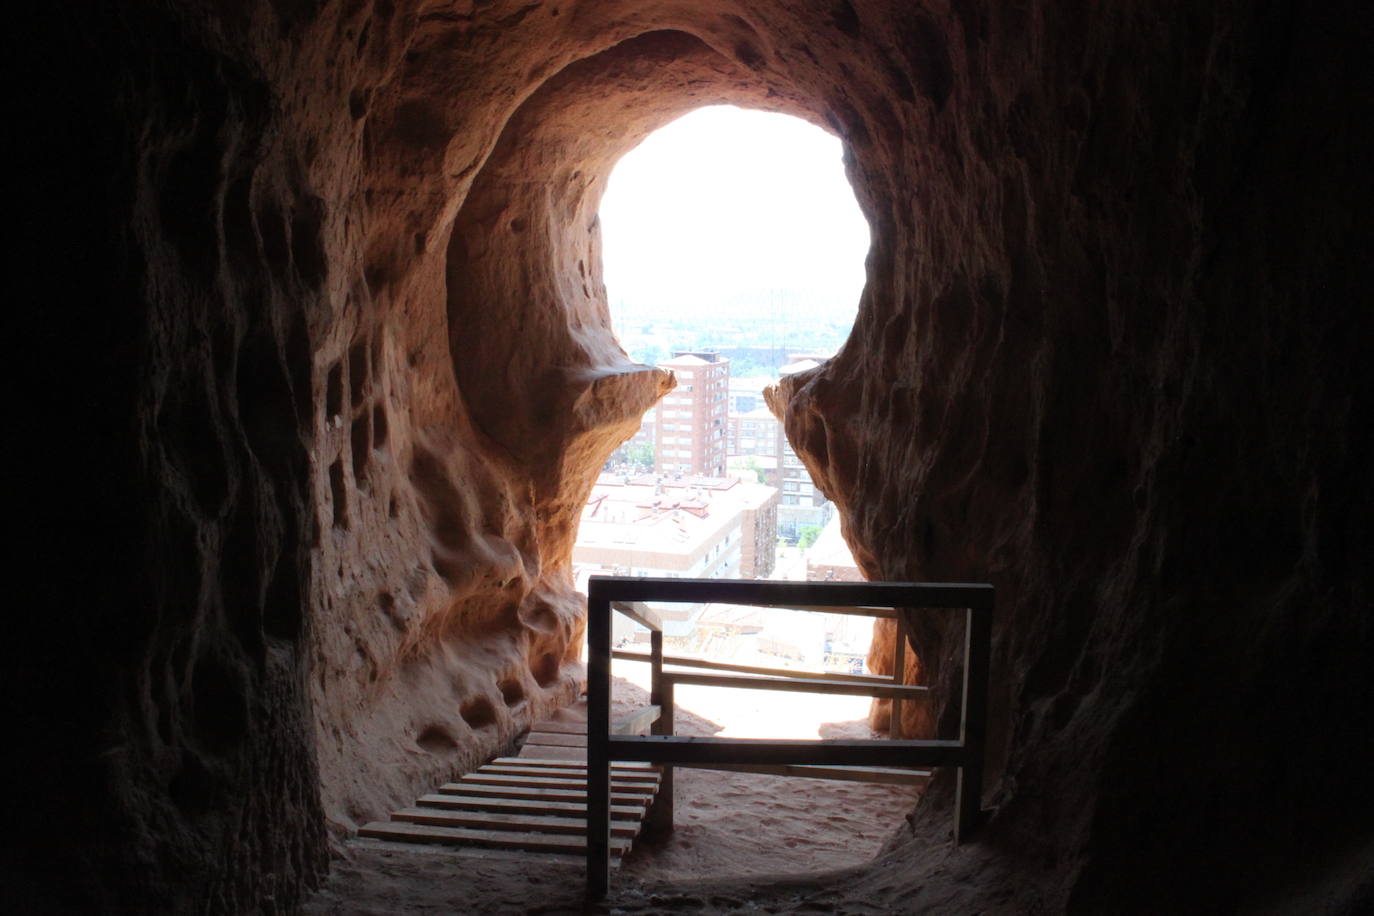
(968,800)
(598,753)
(894,727)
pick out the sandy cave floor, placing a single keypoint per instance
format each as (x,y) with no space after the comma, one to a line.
(742,842)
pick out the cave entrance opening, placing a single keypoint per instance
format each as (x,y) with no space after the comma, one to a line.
(733,252)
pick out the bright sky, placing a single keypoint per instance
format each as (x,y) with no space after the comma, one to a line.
(728,207)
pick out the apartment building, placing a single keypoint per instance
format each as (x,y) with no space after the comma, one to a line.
(692,421)
(678,527)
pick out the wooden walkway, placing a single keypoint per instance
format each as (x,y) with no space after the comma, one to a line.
(537,802)
(534,803)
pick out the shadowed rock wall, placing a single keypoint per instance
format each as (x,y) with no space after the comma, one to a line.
(321,372)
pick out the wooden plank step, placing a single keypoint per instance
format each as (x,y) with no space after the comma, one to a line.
(565,753)
(561,753)
(557,739)
(548,782)
(527,792)
(555,726)
(518,805)
(402,832)
(491,820)
(629,765)
(567,772)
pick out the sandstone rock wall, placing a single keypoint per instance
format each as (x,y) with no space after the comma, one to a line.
(318,369)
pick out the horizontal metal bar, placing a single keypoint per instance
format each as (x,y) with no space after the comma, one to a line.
(892,776)
(978,597)
(632,722)
(885,612)
(796,685)
(881,753)
(683,661)
(640,613)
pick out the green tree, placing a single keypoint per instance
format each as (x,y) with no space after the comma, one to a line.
(807,534)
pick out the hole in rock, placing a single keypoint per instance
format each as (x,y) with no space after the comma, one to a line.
(379,426)
(512,692)
(333,402)
(545,669)
(479,712)
(360,440)
(358,371)
(338,488)
(221,707)
(437,740)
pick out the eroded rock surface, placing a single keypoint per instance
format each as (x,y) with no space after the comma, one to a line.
(321,371)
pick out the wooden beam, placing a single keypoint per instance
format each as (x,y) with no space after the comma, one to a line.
(599,798)
(659,821)
(635,722)
(893,776)
(680,750)
(894,722)
(683,661)
(789,594)
(796,685)
(885,612)
(640,613)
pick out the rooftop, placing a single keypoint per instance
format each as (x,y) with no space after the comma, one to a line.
(800,365)
(661,522)
(830,548)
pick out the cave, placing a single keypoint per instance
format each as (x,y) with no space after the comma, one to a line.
(317,371)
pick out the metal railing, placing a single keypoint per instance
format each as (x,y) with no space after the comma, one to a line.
(607,741)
